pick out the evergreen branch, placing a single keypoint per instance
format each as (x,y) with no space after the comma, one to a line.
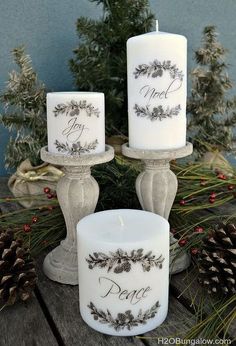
(156,68)
(76,148)
(125,319)
(73,108)
(157,113)
(121,261)
(24,100)
(99,61)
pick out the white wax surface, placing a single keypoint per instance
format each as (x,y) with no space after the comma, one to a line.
(102,233)
(163,94)
(78,128)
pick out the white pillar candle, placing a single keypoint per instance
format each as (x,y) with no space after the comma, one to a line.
(76,123)
(157,63)
(123,260)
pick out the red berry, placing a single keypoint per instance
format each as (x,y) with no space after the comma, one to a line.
(212,200)
(194,250)
(182,202)
(199,229)
(46,190)
(50,195)
(213,195)
(27,228)
(34,219)
(182,242)
(230,187)
(221,176)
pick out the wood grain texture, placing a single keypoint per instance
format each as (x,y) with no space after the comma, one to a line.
(179,320)
(24,324)
(62,302)
(193,294)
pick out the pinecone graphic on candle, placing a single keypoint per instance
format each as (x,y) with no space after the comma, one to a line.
(217,270)
(17,270)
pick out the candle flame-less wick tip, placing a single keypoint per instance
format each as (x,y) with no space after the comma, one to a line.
(121,221)
(157,25)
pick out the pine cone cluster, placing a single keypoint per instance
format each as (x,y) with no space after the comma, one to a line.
(126,266)
(217,270)
(17,270)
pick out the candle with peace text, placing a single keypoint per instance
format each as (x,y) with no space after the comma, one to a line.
(157,88)
(76,123)
(123,261)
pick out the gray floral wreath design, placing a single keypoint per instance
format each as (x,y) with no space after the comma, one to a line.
(125,319)
(120,261)
(156,68)
(73,108)
(157,113)
(76,148)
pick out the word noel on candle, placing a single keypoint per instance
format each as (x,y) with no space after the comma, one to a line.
(149,92)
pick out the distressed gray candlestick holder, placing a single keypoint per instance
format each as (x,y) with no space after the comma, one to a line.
(77,193)
(156,189)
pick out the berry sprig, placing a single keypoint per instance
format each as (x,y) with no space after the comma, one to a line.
(50,194)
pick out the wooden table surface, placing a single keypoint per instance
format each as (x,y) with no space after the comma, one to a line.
(52,316)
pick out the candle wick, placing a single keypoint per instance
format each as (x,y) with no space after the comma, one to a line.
(157,25)
(121,221)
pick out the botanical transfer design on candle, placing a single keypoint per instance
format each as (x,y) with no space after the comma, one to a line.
(76,148)
(156,68)
(74,129)
(125,319)
(157,113)
(120,261)
(74,108)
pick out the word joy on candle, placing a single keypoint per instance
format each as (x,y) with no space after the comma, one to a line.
(74,130)
(124,253)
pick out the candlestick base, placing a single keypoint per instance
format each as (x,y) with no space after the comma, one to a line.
(77,193)
(156,189)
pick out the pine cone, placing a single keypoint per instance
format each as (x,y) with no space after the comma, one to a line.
(126,266)
(218,260)
(17,270)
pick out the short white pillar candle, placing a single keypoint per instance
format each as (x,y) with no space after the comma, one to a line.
(76,123)
(157,89)
(123,260)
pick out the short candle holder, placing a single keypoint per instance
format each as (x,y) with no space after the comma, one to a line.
(156,188)
(77,193)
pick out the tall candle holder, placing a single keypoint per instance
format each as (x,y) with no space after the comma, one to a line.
(77,193)
(156,188)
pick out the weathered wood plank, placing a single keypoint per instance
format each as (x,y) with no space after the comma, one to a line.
(62,302)
(6,206)
(194,295)
(179,320)
(24,324)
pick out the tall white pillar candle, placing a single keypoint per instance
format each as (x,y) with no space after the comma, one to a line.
(123,260)
(76,123)
(157,63)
